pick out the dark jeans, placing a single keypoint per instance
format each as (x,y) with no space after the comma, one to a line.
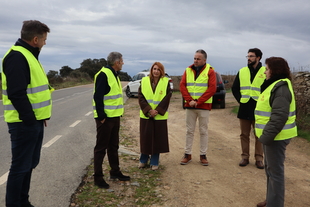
(26,143)
(107,142)
(274,167)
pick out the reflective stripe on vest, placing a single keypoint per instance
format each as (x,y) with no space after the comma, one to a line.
(38,91)
(263,113)
(196,88)
(154,98)
(248,89)
(113,101)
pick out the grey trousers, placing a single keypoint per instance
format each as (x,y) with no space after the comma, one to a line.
(274,167)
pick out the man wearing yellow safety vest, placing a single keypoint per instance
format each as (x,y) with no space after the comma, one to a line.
(275,125)
(27,105)
(197,86)
(246,89)
(108,108)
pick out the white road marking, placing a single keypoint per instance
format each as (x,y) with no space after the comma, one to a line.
(52,141)
(75,123)
(58,99)
(4,178)
(89,113)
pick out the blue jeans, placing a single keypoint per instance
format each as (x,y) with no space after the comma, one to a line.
(154,159)
(26,143)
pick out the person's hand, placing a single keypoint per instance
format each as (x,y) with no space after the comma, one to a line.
(153,113)
(45,123)
(102,121)
(193,103)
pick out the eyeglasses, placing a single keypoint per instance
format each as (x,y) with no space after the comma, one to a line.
(249,56)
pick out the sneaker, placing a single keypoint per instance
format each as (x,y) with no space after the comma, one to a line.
(142,165)
(102,184)
(154,167)
(203,160)
(186,159)
(119,176)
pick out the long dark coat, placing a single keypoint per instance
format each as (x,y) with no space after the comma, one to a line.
(154,133)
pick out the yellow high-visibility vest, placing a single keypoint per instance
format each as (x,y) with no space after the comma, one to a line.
(38,91)
(196,88)
(154,98)
(263,113)
(113,101)
(248,89)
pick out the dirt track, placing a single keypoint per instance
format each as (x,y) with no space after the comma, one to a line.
(222,183)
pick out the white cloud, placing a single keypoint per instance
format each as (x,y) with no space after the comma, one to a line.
(169,31)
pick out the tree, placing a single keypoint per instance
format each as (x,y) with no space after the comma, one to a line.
(92,66)
(123,76)
(52,74)
(65,71)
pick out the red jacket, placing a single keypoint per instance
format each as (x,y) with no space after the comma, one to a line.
(208,94)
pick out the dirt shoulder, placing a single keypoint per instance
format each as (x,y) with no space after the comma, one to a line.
(223,182)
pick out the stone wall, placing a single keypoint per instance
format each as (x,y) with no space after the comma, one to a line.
(301,85)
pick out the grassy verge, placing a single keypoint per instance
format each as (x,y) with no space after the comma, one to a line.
(68,84)
(144,189)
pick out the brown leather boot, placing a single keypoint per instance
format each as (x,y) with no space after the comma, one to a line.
(262,204)
(203,160)
(186,159)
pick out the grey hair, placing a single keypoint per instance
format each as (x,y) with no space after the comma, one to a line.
(114,57)
(202,52)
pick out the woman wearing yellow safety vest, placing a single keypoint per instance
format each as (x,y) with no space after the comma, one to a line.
(154,98)
(275,126)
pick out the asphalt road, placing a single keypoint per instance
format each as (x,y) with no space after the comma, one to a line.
(67,148)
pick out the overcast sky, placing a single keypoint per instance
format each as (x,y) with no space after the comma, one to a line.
(168,31)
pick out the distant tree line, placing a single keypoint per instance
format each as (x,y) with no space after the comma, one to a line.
(87,71)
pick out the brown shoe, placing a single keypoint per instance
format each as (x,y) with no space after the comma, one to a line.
(262,204)
(203,160)
(244,162)
(259,164)
(186,159)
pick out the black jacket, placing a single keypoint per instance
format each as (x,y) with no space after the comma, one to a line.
(101,89)
(17,72)
(246,110)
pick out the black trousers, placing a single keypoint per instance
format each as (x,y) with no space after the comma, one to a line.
(107,142)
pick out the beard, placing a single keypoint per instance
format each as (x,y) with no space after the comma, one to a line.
(252,63)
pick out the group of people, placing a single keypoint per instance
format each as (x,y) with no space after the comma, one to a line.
(265,95)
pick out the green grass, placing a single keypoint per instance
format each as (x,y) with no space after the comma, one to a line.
(235,110)
(304,134)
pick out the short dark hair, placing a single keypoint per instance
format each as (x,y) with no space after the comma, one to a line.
(257,52)
(114,57)
(278,67)
(33,28)
(202,52)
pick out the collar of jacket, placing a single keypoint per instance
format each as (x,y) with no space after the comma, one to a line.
(259,65)
(270,81)
(34,50)
(116,73)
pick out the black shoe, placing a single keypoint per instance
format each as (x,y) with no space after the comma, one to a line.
(102,184)
(119,176)
(27,205)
